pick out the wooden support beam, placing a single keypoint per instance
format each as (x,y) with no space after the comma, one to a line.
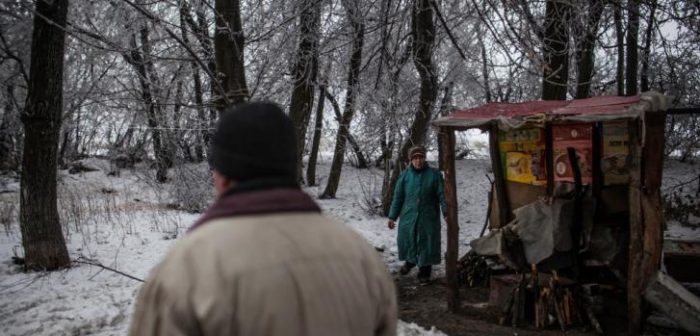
(447,136)
(675,301)
(549,157)
(646,211)
(597,155)
(503,205)
(634,290)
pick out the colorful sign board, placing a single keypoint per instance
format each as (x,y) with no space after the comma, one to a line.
(614,162)
(523,155)
(579,137)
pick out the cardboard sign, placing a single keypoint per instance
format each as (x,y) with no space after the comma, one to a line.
(579,137)
(523,155)
(615,153)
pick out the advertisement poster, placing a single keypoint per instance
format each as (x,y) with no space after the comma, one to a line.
(580,137)
(615,160)
(523,155)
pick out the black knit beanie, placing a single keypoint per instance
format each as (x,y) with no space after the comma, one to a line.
(254,141)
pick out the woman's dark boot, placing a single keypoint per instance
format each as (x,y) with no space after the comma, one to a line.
(406,268)
(424,273)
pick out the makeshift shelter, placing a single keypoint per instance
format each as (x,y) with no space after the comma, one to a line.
(606,151)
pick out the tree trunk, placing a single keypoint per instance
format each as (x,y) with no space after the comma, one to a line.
(484,66)
(202,134)
(304,74)
(318,127)
(423,34)
(42,238)
(584,53)
(201,32)
(203,138)
(385,142)
(556,54)
(443,112)
(647,47)
(361,160)
(228,48)
(619,33)
(138,60)
(390,134)
(206,41)
(358,29)
(8,152)
(632,37)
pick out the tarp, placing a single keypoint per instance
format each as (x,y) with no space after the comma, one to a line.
(544,228)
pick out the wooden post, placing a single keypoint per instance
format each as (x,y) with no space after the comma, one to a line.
(634,290)
(646,212)
(597,155)
(447,136)
(499,179)
(549,155)
(653,156)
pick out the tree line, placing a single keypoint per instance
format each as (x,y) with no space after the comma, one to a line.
(147,80)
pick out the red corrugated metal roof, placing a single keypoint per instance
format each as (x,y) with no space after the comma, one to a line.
(595,105)
(598,105)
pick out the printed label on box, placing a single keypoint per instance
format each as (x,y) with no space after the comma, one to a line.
(523,155)
(579,137)
(615,153)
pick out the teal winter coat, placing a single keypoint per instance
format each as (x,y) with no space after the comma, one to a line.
(418,197)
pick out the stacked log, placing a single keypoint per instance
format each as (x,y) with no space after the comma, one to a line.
(473,270)
(545,301)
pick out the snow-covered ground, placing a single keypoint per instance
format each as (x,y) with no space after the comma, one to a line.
(124,223)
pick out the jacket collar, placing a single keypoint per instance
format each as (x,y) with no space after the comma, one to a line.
(259,197)
(425,167)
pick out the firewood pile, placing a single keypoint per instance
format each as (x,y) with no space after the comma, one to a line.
(543,300)
(474,270)
(547,300)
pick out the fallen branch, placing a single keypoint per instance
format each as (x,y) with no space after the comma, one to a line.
(88,261)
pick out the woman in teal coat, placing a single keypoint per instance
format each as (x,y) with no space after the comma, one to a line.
(418,198)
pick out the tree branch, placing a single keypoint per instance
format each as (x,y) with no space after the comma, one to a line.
(87,261)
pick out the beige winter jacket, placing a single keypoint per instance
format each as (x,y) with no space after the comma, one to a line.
(271,274)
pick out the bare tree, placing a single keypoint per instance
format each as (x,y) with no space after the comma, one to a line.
(649,35)
(305,72)
(140,59)
(202,140)
(632,38)
(228,48)
(358,35)
(423,34)
(556,54)
(354,145)
(42,239)
(586,46)
(8,137)
(620,44)
(316,141)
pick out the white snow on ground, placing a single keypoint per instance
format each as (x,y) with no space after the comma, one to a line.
(123,223)
(677,176)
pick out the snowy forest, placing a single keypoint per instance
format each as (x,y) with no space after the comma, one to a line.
(145,80)
(134,88)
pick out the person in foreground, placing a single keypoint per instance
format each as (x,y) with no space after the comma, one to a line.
(418,198)
(263,260)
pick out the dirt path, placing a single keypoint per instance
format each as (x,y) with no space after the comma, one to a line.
(426,305)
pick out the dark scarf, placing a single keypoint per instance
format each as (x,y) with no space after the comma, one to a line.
(257,197)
